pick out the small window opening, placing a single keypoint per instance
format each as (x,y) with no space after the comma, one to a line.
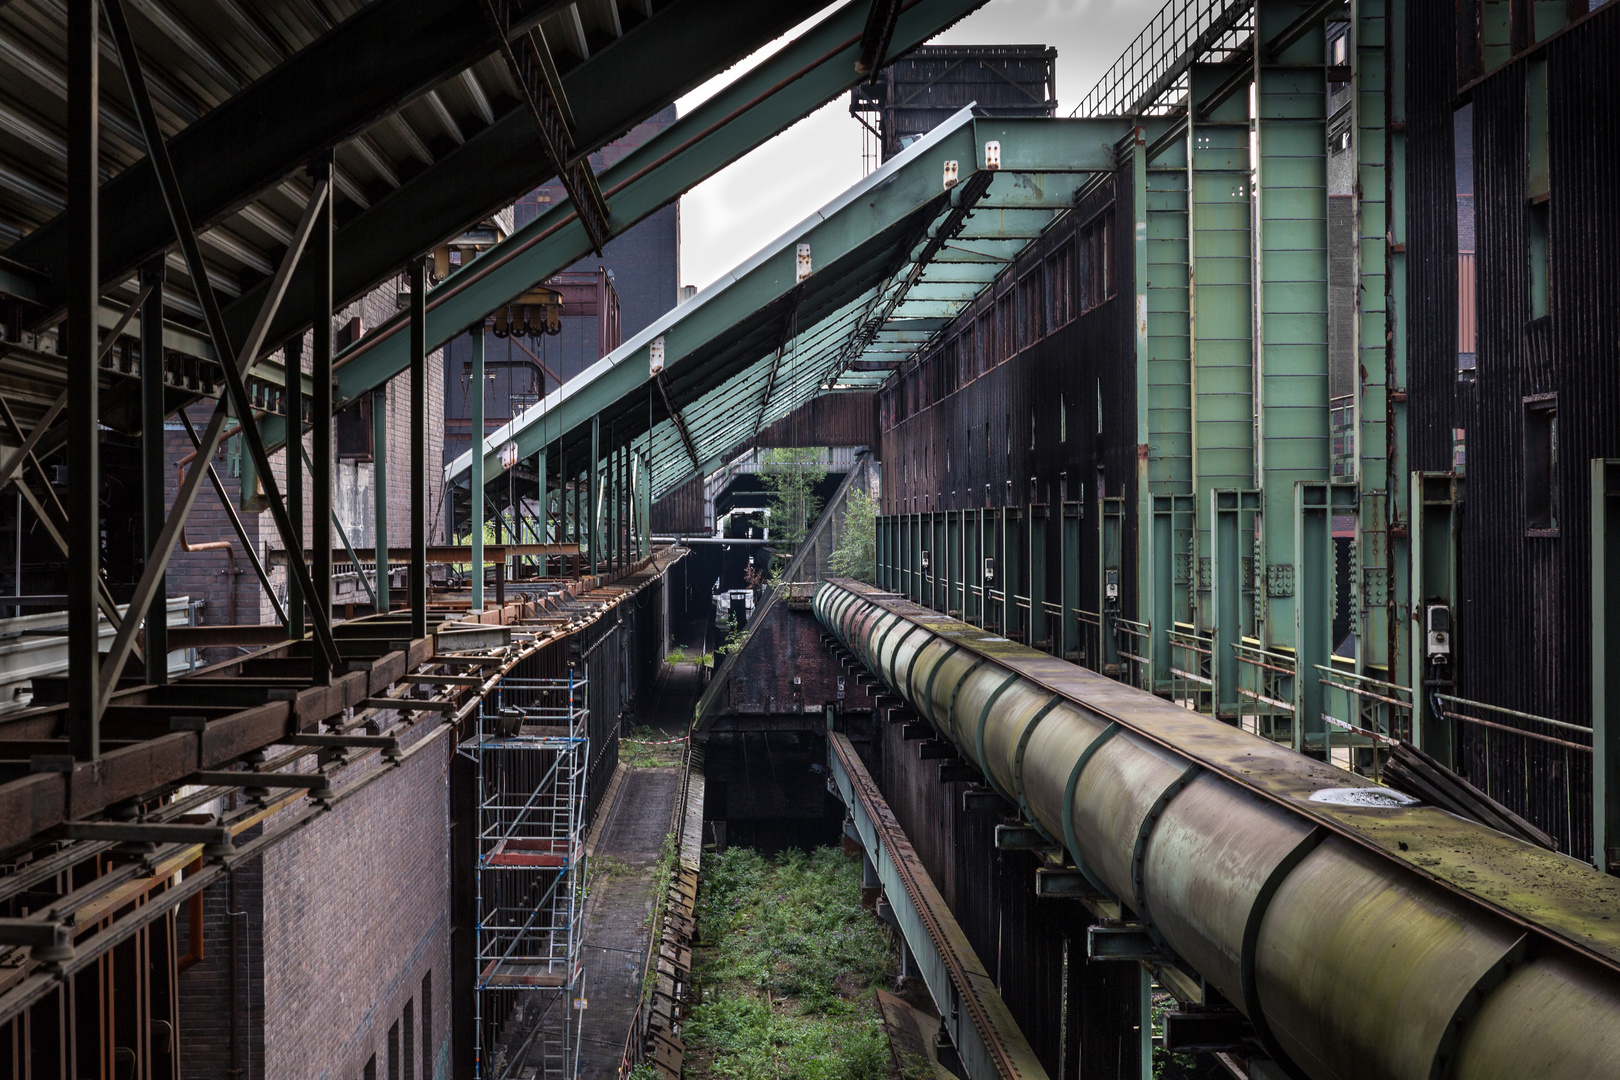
(1541,465)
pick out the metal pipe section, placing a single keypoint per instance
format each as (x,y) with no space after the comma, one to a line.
(1362,936)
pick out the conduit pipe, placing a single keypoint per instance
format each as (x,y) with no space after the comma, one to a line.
(210,545)
(1362,937)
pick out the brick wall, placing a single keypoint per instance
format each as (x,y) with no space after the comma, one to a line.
(786,645)
(205,990)
(338,926)
(357,913)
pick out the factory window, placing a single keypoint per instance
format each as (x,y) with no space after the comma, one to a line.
(427,1025)
(1097,273)
(1004,326)
(1462,141)
(407,1038)
(1536,181)
(1541,464)
(1063,420)
(393,1051)
(1059,284)
(370,1071)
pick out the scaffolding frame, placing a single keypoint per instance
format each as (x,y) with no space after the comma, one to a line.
(531,749)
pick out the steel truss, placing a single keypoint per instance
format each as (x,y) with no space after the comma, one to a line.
(531,751)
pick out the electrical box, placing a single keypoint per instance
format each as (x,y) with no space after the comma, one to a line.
(1437,621)
(989,570)
(927,561)
(1111,585)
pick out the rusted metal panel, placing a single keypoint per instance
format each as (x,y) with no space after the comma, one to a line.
(843,419)
(680,512)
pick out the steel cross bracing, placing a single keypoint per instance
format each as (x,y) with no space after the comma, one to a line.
(901,245)
(814,68)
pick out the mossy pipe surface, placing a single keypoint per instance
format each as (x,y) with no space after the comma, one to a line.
(1363,935)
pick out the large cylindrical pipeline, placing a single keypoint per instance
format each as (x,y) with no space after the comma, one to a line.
(1350,964)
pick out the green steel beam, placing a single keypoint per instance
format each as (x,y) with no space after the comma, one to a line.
(686,42)
(813,69)
(894,203)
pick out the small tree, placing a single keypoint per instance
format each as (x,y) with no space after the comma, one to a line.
(790,475)
(856,553)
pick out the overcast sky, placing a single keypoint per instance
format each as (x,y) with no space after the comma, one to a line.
(735,213)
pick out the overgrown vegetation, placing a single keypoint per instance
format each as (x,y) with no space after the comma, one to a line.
(790,475)
(787,967)
(856,553)
(663,874)
(637,752)
(731,633)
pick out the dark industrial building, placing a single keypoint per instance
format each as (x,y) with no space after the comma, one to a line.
(1200,641)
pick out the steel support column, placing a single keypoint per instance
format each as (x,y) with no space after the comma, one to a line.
(1606,664)
(1039,633)
(320,402)
(1069,575)
(293,457)
(152,465)
(419,433)
(592,491)
(1436,519)
(475,475)
(379,494)
(83,437)
(1229,511)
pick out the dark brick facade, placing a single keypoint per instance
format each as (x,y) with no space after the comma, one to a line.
(784,647)
(338,927)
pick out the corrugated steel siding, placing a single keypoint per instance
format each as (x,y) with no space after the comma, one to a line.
(972,447)
(680,512)
(1524,627)
(842,419)
(1431,234)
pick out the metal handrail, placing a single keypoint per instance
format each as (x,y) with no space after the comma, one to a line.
(1183,32)
(1514,712)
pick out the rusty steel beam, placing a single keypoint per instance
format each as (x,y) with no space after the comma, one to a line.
(982,1028)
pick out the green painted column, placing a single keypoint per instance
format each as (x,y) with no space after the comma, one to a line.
(1313,612)
(1220,319)
(379,493)
(1039,625)
(1291,299)
(1012,527)
(475,478)
(1069,572)
(592,495)
(1165,501)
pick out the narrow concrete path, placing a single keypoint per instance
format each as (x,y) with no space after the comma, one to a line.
(618,914)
